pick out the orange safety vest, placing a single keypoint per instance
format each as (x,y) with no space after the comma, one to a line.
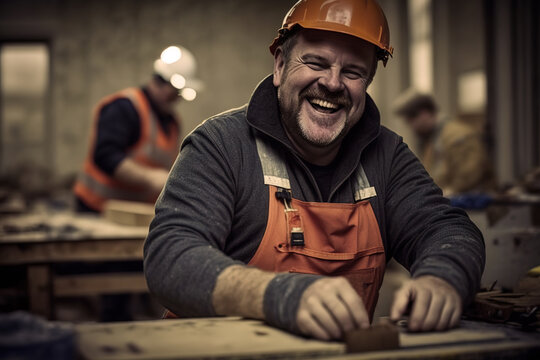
(155,148)
(332,239)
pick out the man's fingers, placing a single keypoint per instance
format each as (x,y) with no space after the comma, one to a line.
(334,305)
(401,301)
(446,316)
(356,307)
(433,315)
(456,316)
(436,305)
(321,314)
(308,326)
(339,311)
(420,307)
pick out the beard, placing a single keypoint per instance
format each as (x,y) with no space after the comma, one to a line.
(294,118)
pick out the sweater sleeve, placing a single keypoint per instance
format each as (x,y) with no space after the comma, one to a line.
(183,253)
(425,233)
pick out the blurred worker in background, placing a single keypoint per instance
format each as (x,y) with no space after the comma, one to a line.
(452,151)
(133,144)
(135,136)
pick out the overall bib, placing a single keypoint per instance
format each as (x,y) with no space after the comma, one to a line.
(332,239)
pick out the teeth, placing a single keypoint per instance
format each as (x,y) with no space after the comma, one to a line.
(324,103)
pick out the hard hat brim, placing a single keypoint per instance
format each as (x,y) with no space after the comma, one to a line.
(324,26)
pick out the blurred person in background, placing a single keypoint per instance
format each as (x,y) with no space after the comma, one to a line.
(452,151)
(133,144)
(135,136)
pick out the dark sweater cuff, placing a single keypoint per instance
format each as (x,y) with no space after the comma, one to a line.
(282,298)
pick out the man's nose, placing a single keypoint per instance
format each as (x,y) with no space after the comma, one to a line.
(332,80)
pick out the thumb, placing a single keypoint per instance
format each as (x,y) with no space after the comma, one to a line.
(401,300)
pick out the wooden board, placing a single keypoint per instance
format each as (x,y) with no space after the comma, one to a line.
(506,350)
(455,336)
(65,227)
(194,339)
(129,212)
(68,237)
(63,251)
(92,284)
(232,338)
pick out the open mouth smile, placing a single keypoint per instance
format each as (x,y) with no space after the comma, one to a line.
(324,106)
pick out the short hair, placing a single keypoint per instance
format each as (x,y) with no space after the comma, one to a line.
(411,102)
(288,42)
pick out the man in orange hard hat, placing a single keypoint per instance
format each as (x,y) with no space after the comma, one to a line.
(304,197)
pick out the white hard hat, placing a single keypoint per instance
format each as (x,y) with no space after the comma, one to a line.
(178,66)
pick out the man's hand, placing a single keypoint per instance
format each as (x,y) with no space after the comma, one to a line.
(330,307)
(435,304)
(132,173)
(157,179)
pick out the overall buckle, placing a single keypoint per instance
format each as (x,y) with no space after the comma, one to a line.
(295,225)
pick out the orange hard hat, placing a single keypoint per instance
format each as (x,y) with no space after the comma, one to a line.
(363,19)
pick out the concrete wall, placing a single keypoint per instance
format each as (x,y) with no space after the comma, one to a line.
(391,80)
(458,47)
(98,47)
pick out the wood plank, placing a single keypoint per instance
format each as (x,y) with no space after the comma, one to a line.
(83,250)
(449,337)
(511,350)
(64,227)
(129,212)
(226,338)
(196,338)
(114,283)
(39,290)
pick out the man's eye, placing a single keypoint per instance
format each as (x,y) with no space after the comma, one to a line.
(354,74)
(314,65)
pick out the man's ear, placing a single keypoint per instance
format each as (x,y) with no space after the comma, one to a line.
(279,65)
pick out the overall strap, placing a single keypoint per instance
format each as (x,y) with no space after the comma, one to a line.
(273,165)
(275,172)
(362,189)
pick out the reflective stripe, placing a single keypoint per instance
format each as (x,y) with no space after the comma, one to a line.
(362,189)
(155,155)
(275,172)
(150,150)
(274,169)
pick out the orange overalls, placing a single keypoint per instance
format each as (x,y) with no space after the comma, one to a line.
(154,148)
(332,239)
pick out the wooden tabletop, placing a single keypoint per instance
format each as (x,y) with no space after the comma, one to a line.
(63,227)
(44,238)
(231,337)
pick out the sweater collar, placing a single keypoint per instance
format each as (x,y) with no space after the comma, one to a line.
(263,114)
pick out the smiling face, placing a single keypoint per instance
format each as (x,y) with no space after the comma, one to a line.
(322,86)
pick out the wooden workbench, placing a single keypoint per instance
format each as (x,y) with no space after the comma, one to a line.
(40,241)
(236,338)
